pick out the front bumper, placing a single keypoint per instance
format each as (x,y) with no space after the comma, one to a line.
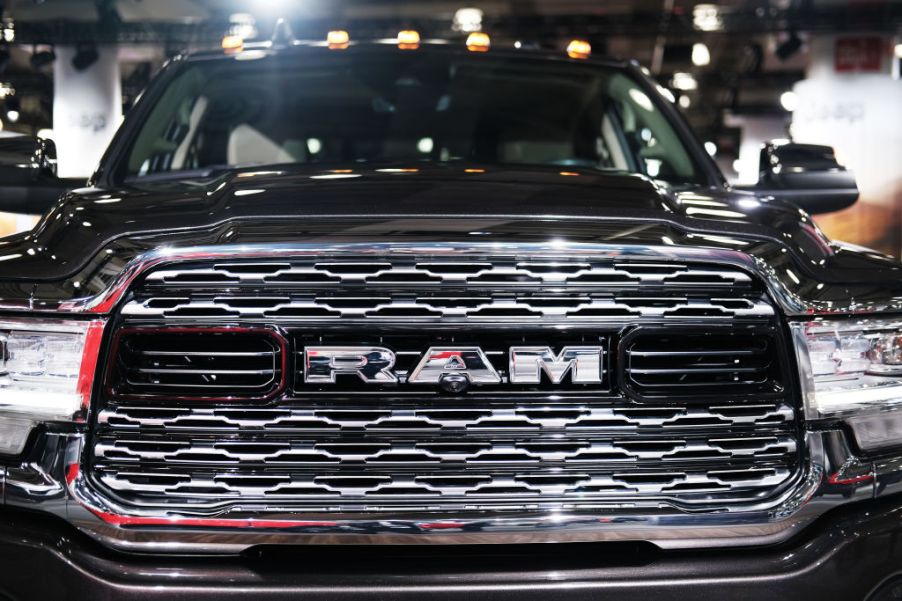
(847,554)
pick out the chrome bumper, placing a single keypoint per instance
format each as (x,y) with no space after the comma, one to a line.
(833,475)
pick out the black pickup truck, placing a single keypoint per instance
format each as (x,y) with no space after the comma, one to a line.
(370,321)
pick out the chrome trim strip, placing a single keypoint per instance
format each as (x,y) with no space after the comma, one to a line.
(816,493)
(108,299)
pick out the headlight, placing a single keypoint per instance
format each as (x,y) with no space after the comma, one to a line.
(47,374)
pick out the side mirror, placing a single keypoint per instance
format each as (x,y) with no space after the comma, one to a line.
(28,181)
(807,175)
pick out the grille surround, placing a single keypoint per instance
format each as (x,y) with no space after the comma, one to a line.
(617,323)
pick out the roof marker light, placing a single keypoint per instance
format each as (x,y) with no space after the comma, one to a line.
(232,43)
(408,39)
(479,42)
(338,40)
(580,49)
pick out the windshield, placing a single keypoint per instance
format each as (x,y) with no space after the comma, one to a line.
(376,107)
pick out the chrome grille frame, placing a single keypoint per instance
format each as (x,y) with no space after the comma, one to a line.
(54,476)
(548,291)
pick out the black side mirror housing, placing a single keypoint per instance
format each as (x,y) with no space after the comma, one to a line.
(807,175)
(28,180)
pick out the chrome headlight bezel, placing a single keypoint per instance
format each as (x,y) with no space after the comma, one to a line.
(850,370)
(47,371)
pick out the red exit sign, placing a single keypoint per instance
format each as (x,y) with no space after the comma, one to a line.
(859,54)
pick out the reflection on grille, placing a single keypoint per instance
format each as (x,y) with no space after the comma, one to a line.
(407,453)
(692,410)
(468,274)
(513,290)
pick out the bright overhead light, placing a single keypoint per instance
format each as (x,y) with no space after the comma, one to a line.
(706,17)
(701,56)
(479,42)
(711,148)
(338,40)
(9,31)
(12,115)
(684,81)
(898,50)
(685,101)
(579,49)
(425,145)
(468,20)
(789,100)
(314,145)
(408,39)
(232,43)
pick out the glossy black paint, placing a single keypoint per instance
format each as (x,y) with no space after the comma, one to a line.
(845,556)
(807,175)
(28,181)
(484,203)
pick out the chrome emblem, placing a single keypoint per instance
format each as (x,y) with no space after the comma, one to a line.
(468,361)
(455,368)
(583,362)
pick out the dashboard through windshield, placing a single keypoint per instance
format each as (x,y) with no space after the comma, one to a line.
(360,108)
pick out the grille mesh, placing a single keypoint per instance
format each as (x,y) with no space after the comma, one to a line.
(205,363)
(667,365)
(692,410)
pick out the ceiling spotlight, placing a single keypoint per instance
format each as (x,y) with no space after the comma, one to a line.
(701,56)
(338,39)
(12,109)
(479,42)
(685,102)
(711,148)
(85,56)
(706,17)
(684,81)
(789,46)
(408,39)
(789,100)
(9,31)
(579,49)
(468,20)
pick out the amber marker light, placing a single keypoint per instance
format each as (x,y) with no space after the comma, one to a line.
(232,43)
(479,42)
(580,49)
(338,40)
(408,39)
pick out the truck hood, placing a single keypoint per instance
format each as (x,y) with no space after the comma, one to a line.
(98,229)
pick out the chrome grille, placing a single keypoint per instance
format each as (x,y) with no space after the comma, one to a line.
(632,441)
(469,274)
(579,454)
